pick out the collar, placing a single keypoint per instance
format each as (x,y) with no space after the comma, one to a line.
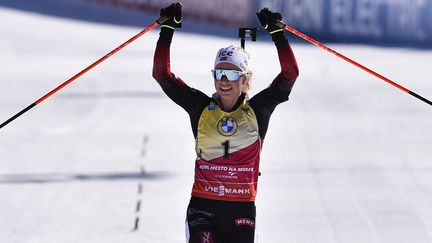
(243,97)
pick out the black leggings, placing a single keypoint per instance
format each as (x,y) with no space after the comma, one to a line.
(212,221)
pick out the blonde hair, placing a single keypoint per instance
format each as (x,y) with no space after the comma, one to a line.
(247,82)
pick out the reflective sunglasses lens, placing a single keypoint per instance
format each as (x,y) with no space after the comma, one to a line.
(231,75)
(217,74)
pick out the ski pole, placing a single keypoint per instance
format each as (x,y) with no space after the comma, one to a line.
(37,102)
(311,40)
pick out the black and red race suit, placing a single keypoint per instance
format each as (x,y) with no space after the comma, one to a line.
(228,146)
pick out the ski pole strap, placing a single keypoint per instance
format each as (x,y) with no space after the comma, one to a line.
(162,19)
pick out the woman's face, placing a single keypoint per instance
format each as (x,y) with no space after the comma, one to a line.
(229,90)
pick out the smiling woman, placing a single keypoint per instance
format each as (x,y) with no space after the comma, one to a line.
(232,75)
(229,129)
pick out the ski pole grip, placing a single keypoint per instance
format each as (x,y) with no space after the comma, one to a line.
(162,19)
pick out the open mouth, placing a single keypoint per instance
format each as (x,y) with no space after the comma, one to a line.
(225,89)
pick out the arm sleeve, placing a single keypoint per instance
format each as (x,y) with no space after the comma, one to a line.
(174,87)
(279,90)
(289,69)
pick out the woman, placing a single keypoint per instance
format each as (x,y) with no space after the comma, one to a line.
(229,130)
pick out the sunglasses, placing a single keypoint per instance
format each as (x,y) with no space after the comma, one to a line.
(231,75)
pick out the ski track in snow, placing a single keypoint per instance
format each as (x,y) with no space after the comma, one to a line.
(347,159)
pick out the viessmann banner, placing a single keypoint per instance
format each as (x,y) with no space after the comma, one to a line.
(381,21)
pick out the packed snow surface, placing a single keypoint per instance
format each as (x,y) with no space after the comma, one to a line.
(110,158)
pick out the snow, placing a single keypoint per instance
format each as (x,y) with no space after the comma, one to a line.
(347,159)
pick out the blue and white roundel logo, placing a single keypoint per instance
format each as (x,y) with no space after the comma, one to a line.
(227,126)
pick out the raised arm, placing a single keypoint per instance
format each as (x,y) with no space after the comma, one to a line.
(279,90)
(161,61)
(289,69)
(188,98)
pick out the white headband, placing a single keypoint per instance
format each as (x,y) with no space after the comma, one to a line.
(234,55)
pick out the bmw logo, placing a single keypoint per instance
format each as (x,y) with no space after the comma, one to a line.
(227,126)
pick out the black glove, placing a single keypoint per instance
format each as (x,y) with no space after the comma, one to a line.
(174,14)
(268,20)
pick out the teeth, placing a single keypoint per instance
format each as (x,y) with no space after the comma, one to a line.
(225,89)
